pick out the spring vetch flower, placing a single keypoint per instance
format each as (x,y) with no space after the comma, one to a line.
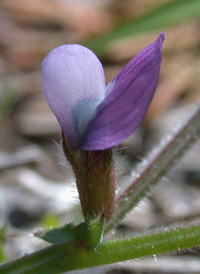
(94,117)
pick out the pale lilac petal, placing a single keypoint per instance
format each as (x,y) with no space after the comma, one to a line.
(74,84)
(129,95)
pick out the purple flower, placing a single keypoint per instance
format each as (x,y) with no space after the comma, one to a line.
(94,116)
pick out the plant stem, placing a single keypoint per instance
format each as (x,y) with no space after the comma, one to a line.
(65,257)
(158,165)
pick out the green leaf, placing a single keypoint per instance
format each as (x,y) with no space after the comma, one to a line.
(58,235)
(171,13)
(88,234)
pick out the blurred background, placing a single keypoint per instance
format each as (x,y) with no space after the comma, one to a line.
(36,192)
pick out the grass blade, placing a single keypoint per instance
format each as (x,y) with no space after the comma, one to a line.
(171,13)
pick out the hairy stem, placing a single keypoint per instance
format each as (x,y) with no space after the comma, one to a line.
(158,165)
(65,256)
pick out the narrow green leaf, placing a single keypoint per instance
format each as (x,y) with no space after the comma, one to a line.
(171,13)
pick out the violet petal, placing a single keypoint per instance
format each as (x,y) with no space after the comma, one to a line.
(129,96)
(74,84)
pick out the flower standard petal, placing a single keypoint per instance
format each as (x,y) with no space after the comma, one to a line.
(74,84)
(128,97)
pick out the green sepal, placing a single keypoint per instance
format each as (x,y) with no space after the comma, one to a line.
(58,235)
(87,234)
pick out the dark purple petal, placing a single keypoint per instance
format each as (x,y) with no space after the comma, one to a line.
(129,96)
(74,84)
